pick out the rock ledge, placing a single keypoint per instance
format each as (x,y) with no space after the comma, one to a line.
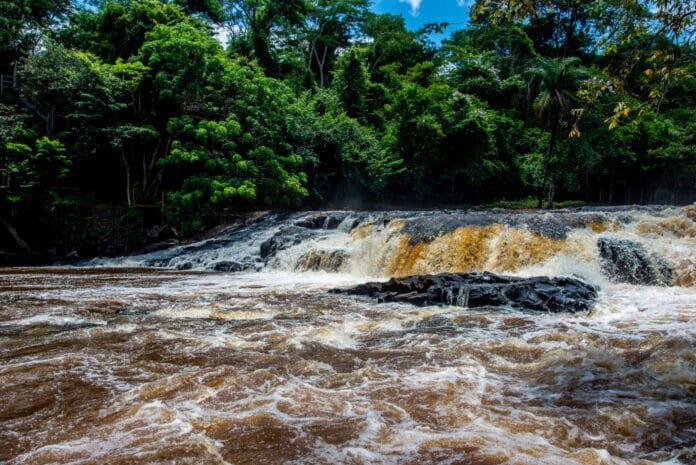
(541,294)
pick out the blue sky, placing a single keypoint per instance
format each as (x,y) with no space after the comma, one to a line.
(419,12)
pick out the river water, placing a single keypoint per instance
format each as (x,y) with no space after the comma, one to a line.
(117,363)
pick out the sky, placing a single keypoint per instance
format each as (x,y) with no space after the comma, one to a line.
(419,12)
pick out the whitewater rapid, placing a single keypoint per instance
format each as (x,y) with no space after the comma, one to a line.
(107,364)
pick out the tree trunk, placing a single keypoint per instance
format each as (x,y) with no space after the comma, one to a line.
(15,235)
(551,193)
(642,191)
(546,170)
(611,192)
(570,30)
(129,201)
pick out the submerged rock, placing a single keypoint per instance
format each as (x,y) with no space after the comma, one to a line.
(130,312)
(323,220)
(472,290)
(322,260)
(628,262)
(285,238)
(227,266)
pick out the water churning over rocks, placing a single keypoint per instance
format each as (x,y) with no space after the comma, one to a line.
(220,353)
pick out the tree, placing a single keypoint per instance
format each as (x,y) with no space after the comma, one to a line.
(117,29)
(221,173)
(257,26)
(506,46)
(212,10)
(556,82)
(345,160)
(96,104)
(657,31)
(492,76)
(31,166)
(22,23)
(239,149)
(392,44)
(351,83)
(330,26)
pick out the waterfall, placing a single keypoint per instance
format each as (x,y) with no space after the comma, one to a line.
(638,245)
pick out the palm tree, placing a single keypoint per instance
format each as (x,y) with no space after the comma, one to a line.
(555,82)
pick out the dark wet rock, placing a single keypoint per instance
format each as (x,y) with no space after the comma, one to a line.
(162,233)
(622,208)
(323,220)
(269,247)
(423,227)
(628,262)
(184,266)
(322,260)
(130,312)
(585,220)
(436,325)
(157,262)
(555,227)
(284,239)
(473,290)
(426,228)
(227,267)
(157,246)
(346,220)
(239,222)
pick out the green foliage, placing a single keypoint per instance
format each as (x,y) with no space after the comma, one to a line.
(530,203)
(351,83)
(227,174)
(245,154)
(393,45)
(556,82)
(118,28)
(32,165)
(210,9)
(342,152)
(135,102)
(184,60)
(21,23)
(259,25)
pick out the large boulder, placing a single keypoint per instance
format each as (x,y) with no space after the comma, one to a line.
(473,290)
(322,260)
(285,238)
(323,220)
(628,262)
(227,266)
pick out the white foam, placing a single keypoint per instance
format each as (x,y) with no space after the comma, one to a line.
(52,320)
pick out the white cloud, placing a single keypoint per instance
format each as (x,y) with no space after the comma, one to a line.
(415,6)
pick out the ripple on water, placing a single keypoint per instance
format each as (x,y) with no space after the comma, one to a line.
(233,369)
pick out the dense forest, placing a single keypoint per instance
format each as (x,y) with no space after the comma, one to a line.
(129,121)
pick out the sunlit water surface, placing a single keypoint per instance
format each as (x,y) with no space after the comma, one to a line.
(124,366)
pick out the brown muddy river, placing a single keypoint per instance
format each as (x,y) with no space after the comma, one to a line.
(103,365)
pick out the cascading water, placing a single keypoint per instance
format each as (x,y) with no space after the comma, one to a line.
(642,246)
(158,358)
